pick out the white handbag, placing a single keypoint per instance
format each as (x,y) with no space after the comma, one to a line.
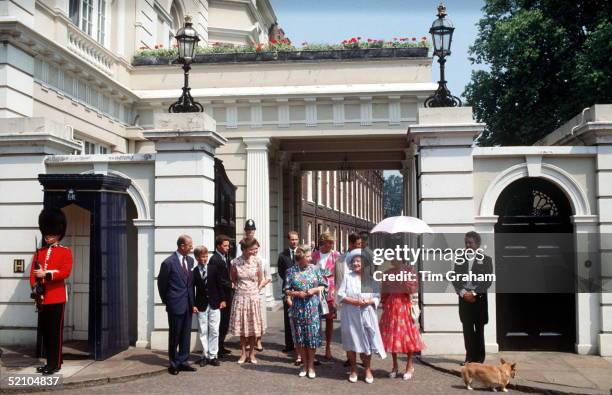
(415,311)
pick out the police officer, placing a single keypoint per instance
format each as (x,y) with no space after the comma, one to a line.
(51,265)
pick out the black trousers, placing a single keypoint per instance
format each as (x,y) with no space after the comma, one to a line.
(224,324)
(288,337)
(50,325)
(179,336)
(473,337)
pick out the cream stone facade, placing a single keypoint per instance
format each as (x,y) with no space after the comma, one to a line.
(72,103)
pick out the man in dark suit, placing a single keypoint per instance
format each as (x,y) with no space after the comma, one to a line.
(175,285)
(209,299)
(286,260)
(221,260)
(473,307)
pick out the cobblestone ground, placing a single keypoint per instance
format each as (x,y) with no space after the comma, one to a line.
(276,374)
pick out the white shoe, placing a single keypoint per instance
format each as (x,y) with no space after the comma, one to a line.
(393,375)
(408,375)
(302,373)
(311,374)
(369,380)
(353,378)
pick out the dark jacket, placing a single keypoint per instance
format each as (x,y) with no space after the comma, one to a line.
(224,272)
(284,263)
(214,292)
(175,286)
(476,312)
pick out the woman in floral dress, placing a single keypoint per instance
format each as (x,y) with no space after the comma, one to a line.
(245,318)
(399,329)
(304,284)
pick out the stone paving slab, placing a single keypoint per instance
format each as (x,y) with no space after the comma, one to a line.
(544,371)
(540,372)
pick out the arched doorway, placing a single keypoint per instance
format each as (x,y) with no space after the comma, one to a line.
(95,206)
(534,248)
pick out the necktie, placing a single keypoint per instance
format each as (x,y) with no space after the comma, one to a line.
(185,265)
(292,258)
(204,275)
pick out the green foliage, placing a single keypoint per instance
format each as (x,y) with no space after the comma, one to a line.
(548,60)
(393,196)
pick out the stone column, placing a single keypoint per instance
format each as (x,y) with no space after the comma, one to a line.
(24,145)
(296,196)
(184,192)
(258,191)
(146,280)
(604,207)
(444,137)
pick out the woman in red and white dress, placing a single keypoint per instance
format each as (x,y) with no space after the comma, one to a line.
(325,260)
(398,327)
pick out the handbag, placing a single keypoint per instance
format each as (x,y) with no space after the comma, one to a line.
(415,311)
(323,306)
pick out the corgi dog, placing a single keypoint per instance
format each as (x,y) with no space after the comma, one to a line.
(489,375)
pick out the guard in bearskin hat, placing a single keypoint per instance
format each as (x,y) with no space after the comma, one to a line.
(51,266)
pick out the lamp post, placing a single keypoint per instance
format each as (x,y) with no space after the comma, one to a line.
(187,40)
(347,174)
(442,34)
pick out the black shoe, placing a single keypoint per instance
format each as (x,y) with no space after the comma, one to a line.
(48,370)
(187,368)
(203,362)
(297,362)
(224,351)
(40,369)
(214,362)
(173,371)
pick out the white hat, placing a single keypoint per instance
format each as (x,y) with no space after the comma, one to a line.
(352,255)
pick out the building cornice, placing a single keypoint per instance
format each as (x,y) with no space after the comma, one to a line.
(35,44)
(294,91)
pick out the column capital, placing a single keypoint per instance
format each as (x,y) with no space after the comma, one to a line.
(447,126)
(36,135)
(256,143)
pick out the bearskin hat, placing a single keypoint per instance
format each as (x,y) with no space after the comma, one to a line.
(52,221)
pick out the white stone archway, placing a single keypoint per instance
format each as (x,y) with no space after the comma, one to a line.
(588,314)
(535,168)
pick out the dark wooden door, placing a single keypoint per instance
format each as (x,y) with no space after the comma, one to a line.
(535,260)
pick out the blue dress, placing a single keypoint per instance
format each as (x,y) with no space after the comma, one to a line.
(304,313)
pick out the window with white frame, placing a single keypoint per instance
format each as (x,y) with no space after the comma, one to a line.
(91,148)
(91,16)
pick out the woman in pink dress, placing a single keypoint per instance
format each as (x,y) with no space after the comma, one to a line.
(325,260)
(399,329)
(245,318)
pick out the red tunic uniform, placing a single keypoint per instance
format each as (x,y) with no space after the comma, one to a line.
(58,266)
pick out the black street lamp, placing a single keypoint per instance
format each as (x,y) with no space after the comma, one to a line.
(347,173)
(187,40)
(442,34)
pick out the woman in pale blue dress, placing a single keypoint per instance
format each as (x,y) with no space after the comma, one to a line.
(359,324)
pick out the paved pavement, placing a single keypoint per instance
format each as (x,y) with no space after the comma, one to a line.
(553,371)
(142,371)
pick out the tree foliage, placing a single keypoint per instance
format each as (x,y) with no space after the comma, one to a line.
(393,196)
(548,60)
